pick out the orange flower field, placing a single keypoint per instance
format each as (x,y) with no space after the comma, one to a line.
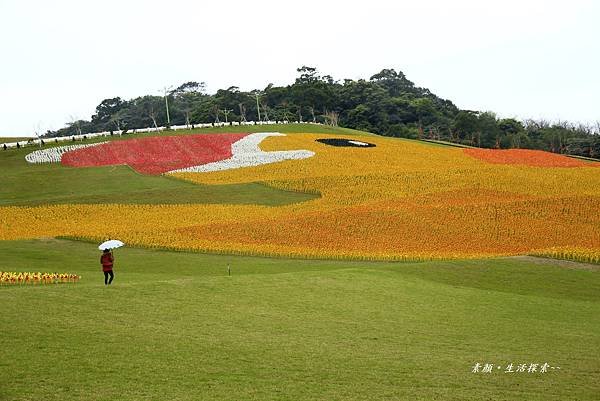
(527,157)
(400,200)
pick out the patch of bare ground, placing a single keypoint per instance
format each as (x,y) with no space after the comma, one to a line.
(569,264)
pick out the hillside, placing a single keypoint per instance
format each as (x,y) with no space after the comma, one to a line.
(387,276)
(395,199)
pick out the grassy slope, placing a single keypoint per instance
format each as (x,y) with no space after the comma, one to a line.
(13,139)
(443,143)
(174,326)
(26,184)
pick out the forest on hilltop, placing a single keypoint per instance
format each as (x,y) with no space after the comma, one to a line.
(387,104)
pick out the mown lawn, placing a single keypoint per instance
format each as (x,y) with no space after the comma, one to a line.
(175,326)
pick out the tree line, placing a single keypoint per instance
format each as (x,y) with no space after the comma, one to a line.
(387,104)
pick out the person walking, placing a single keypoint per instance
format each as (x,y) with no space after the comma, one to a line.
(106,260)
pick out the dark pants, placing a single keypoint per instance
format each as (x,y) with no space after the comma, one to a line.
(106,274)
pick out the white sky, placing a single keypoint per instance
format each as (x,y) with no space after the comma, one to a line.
(527,58)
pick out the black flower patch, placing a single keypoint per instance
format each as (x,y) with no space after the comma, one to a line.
(353,143)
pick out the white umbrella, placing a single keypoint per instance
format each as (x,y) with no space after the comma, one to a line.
(110,244)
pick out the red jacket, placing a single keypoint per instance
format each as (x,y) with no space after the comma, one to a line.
(107,261)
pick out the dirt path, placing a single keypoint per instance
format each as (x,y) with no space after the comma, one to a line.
(557,262)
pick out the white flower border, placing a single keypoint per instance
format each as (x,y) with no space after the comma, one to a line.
(54,155)
(246,153)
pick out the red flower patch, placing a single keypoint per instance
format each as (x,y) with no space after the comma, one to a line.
(156,155)
(536,158)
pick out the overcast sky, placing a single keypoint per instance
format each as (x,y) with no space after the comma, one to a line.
(527,58)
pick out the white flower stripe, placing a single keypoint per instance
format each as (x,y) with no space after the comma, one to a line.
(246,153)
(54,155)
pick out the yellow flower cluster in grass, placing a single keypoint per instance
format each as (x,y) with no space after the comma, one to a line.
(400,200)
(12,278)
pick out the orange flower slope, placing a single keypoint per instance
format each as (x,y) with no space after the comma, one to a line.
(535,158)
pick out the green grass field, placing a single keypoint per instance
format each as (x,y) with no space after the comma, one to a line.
(175,326)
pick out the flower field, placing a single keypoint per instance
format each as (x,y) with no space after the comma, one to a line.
(155,155)
(158,155)
(55,154)
(526,157)
(247,153)
(398,200)
(14,278)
